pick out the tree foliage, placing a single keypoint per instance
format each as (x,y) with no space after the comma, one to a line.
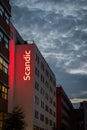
(15,120)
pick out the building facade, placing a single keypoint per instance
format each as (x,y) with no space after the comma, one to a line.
(33,87)
(64,110)
(5,13)
(78,122)
(83,107)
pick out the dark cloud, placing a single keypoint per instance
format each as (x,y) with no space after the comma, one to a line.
(59,28)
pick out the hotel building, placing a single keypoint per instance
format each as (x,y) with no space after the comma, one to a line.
(5,12)
(32,86)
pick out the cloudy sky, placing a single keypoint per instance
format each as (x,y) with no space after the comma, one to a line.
(59,29)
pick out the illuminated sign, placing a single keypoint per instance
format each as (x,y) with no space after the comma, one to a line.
(27,66)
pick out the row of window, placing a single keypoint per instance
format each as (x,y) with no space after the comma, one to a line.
(3,92)
(45,107)
(43,118)
(42,90)
(37,73)
(3,39)
(48,98)
(45,82)
(43,69)
(3,65)
(4,14)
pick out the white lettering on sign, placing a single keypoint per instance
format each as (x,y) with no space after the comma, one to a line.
(27,66)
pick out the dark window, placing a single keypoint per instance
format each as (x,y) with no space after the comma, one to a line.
(46,108)
(36,100)
(36,114)
(3,65)
(41,117)
(42,66)
(36,86)
(42,104)
(46,120)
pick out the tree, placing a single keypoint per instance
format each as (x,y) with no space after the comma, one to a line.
(15,120)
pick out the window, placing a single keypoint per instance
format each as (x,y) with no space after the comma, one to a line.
(7,18)
(50,100)
(3,116)
(1,125)
(54,104)
(3,65)
(42,66)
(36,86)
(36,72)
(42,104)
(46,120)
(4,14)
(3,92)
(37,58)
(47,96)
(36,100)
(51,89)
(1,10)
(54,94)
(50,122)
(50,111)
(42,91)
(51,78)
(47,73)
(54,83)
(54,124)
(41,117)
(36,114)
(1,35)
(54,114)
(3,39)
(47,84)
(6,41)
(46,108)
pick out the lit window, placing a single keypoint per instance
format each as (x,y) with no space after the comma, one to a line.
(1,123)
(3,88)
(41,117)
(4,92)
(3,65)
(3,116)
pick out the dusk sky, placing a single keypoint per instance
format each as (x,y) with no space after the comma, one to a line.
(59,29)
